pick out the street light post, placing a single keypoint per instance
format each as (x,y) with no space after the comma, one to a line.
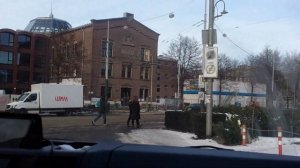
(106,63)
(210,80)
(211,42)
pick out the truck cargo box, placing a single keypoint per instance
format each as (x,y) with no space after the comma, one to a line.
(59,95)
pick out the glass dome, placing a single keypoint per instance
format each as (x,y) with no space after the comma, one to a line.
(47,25)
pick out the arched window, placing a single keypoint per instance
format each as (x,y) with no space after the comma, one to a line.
(6,39)
(24,41)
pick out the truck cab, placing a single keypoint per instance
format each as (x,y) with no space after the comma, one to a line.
(27,101)
(60,99)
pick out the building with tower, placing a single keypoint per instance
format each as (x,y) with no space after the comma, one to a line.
(50,50)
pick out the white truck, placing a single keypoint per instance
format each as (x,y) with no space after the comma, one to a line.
(61,99)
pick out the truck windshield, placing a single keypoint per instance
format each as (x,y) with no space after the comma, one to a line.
(23,96)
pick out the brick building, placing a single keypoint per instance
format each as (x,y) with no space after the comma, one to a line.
(132,53)
(50,51)
(23,60)
(24,55)
(166,77)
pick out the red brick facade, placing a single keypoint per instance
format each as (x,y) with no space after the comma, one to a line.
(130,40)
(23,60)
(134,69)
(166,77)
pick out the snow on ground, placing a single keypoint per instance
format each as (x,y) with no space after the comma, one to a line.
(291,146)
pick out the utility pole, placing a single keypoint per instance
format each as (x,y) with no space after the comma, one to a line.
(106,64)
(210,80)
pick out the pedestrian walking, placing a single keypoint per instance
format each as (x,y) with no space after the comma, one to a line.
(130,113)
(102,108)
(134,112)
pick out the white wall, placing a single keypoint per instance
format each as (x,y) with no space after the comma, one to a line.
(242,90)
(233,92)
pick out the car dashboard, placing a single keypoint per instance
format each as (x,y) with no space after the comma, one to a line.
(33,151)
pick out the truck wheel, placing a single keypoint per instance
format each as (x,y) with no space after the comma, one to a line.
(68,113)
(23,111)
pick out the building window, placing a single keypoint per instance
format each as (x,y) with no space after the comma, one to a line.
(143,94)
(23,59)
(40,44)
(110,49)
(75,73)
(166,85)
(6,76)
(24,41)
(6,57)
(103,92)
(67,50)
(145,54)
(158,76)
(157,99)
(39,77)
(75,48)
(103,69)
(23,76)
(40,62)
(126,71)
(65,71)
(6,39)
(158,89)
(144,73)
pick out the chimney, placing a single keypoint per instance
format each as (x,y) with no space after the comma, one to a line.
(128,15)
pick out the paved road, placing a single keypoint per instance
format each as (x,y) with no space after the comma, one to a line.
(79,128)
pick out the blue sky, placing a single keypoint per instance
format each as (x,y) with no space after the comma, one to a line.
(250,24)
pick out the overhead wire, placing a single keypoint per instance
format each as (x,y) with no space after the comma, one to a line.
(185,30)
(157,17)
(230,40)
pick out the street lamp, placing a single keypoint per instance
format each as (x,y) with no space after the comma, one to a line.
(224,10)
(106,64)
(106,60)
(211,34)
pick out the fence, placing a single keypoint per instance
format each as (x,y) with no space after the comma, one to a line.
(272,133)
(279,132)
(162,104)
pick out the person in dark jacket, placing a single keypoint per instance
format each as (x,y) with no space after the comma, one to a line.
(130,113)
(102,109)
(134,112)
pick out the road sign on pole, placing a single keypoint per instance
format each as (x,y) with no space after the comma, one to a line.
(210,62)
(201,82)
(201,95)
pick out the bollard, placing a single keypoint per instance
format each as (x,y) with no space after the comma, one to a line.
(243,135)
(279,140)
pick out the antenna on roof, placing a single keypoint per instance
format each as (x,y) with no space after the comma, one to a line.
(51,15)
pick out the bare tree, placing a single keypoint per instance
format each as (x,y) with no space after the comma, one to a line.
(290,68)
(187,52)
(227,69)
(66,59)
(262,70)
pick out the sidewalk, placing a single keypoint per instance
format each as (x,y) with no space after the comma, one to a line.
(143,111)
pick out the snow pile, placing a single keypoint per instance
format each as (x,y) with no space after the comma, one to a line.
(291,146)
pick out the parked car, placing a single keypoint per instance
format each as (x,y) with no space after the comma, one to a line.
(195,108)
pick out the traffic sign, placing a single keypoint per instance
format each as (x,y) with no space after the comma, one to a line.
(201,82)
(210,62)
(201,95)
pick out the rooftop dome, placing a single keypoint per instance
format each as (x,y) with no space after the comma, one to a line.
(47,25)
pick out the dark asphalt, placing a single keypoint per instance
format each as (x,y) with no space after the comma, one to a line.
(80,129)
